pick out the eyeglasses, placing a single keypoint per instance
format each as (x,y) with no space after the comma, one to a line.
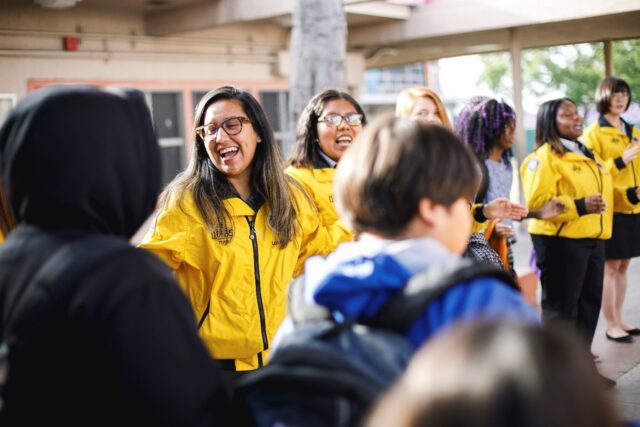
(620,95)
(232,126)
(336,119)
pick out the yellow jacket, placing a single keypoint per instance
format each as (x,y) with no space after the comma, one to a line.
(609,143)
(238,290)
(319,185)
(478,225)
(571,177)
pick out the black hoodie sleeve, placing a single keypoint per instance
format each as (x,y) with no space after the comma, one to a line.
(151,330)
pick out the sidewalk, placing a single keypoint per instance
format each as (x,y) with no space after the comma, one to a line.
(618,361)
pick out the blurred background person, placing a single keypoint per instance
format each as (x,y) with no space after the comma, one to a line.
(422,103)
(487,126)
(326,128)
(570,245)
(498,375)
(616,142)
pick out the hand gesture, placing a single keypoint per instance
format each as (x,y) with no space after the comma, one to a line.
(505,231)
(552,208)
(630,153)
(595,203)
(502,208)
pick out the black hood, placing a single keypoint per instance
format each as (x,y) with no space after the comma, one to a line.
(80,157)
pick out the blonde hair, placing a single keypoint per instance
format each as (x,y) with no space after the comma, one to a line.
(408,98)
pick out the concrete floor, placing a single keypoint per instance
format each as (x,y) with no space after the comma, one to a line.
(618,361)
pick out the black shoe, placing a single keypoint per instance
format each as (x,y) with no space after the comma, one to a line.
(633,331)
(625,338)
(608,383)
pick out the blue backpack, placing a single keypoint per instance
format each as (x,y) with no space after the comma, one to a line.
(328,373)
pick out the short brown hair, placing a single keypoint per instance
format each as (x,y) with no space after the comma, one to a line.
(394,164)
(607,87)
(499,374)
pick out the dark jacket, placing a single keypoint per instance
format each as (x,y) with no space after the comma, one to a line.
(79,162)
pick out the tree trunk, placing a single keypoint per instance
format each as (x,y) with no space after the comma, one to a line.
(318,52)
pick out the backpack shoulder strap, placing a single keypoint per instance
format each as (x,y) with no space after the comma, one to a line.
(407,305)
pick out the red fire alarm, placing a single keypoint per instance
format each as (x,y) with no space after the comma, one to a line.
(70,43)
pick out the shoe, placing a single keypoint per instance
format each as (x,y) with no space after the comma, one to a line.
(625,338)
(633,331)
(608,383)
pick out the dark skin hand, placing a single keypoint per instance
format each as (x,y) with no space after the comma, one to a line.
(595,203)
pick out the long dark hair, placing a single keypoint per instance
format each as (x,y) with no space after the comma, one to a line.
(547,126)
(267,177)
(306,148)
(7,218)
(482,123)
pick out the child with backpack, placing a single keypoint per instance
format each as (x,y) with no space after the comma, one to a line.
(405,187)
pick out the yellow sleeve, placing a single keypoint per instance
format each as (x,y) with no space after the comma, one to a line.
(540,184)
(477,226)
(168,236)
(621,199)
(317,239)
(590,139)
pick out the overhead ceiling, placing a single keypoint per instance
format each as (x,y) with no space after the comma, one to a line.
(396,32)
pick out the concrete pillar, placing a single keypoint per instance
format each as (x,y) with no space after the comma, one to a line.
(521,138)
(608,58)
(516,66)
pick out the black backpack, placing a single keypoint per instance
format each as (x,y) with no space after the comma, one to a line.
(327,373)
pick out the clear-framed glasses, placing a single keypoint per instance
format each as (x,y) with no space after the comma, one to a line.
(335,119)
(619,95)
(232,126)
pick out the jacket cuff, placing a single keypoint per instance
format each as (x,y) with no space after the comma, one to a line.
(478,215)
(632,196)
(619,163)
(581,206)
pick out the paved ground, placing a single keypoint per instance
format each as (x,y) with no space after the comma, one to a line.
(618,361)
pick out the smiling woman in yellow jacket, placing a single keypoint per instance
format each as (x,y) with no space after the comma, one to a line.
(570,245)
(326,128)
(235,229)
(617,142)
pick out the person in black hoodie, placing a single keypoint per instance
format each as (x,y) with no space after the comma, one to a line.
(103,335)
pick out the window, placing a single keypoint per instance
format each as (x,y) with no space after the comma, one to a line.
(276,106)
(7,101)
(166,111)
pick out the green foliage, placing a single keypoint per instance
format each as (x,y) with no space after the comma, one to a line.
(626,64)
(572,70)
(497,72)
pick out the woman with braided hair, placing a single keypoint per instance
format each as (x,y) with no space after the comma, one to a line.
(487,127)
